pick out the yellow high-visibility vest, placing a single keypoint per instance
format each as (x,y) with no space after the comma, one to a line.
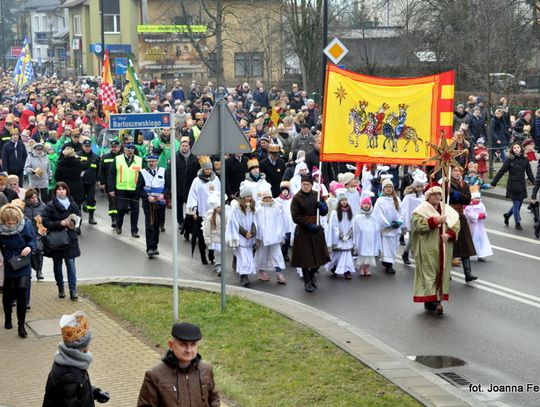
(126,176)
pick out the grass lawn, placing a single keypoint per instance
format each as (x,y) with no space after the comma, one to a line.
(260,357)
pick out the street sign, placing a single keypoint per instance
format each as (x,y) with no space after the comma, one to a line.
(234,139)
(335,50)
(139,121)
(120,66)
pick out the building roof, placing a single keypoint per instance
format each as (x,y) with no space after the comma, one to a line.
(73,3)
(42,5)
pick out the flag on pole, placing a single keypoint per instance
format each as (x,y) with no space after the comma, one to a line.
(133,95)
(385,120)
(23,73)
(106,88)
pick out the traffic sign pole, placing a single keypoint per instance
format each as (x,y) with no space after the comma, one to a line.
(222,106)
(174,227)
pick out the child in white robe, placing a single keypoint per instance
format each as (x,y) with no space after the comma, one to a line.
(476,216)
(211,228)
(367,239)
(241,232)
(388,217)
(341,235)
(414,196)
(285,199)
(353,194)
(270,234)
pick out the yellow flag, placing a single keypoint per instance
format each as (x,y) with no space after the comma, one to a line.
(384,120)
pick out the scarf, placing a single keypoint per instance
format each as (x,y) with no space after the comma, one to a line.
(67,356)
(10,231)
(255,178)
(64,202)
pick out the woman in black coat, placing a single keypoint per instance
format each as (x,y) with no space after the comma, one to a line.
(55,217)
(69,170)
(518,168)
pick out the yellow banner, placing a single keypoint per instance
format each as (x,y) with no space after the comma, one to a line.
(384,120)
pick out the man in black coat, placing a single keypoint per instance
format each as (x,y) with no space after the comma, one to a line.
(313,159)
(273,167)
(185,163)
(14,156)
(89,177)
(106,163)
(235,172)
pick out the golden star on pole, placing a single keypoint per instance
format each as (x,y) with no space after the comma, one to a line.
(445,156)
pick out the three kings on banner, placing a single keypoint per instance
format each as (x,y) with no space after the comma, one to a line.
(371,119)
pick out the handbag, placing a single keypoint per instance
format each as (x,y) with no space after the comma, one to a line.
(19,262)
(56,239)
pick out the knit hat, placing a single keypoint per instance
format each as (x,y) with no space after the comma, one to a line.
(285,185)
(185,139)
(386,182)
(205,162)
(252,163)
(480,140)
(365,200)
(334,186)
(433,189)
(345,178)
(266,194)
(245,190)
(341,194)
(264,137)
(75,330)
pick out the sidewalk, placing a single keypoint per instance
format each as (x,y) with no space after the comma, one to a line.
(120,359)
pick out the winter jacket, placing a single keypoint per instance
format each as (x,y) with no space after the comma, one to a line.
(167,385)
(68,386)
(55,213)
(183,180)
(13,161)
(90,167)
(459,119)
(33,162)
(274,173)
(11,246)
(69,170)
(313,159)
(518,167)
(235,171)
(498,132)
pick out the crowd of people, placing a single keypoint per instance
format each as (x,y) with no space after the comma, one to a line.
(55,143)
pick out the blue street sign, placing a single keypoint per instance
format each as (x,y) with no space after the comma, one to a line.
(341,66)
(134,121)
(120,66)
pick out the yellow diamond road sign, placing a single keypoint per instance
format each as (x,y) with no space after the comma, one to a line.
(335,50)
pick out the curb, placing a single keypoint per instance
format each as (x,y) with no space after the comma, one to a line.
(414,379)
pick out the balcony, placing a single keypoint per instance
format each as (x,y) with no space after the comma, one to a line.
(42,37)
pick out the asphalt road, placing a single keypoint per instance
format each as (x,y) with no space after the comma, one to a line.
(492,325)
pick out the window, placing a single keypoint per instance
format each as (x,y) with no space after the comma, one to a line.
(45,27)
(36,23)
(77,29)
(248,64)
(38,53)
(111,16)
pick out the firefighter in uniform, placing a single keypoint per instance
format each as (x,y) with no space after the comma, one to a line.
(152,187)
(106,162)
(89,175)
(122,185)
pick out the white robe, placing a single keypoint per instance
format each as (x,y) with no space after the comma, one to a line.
(353,197)
(408,205)
(243,246)
(367,239)
(341,256)
(200,192)
(256,187)
(271,225)
(286,210)
(385,213)
(478,231)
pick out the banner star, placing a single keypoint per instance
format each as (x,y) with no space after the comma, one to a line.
(340,93)
(445,156)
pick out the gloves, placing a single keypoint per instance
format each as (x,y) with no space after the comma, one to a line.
(455,195)
(322,206)
(100,396)
(313,228)
(396,224)
(482,216)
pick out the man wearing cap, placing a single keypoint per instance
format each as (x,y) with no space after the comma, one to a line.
(304,141)
(14,156)
(122,184)
(152,187)
(104,167)
(273,168)
(181,379)
(68,383)
(310,250)
(89,176)
(263,146)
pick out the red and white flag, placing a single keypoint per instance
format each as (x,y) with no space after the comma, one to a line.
(107,94)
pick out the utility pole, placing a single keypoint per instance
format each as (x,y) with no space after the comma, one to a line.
(4,65)
(324,43)
(102,17)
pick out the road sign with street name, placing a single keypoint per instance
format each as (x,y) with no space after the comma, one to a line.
(221,123)
(335,50)
(134,121)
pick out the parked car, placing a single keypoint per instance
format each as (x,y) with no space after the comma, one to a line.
(507,83)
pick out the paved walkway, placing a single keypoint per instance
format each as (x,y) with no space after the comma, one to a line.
(120,359)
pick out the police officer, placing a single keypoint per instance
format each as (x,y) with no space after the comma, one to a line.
(152,187)
(106,162)
(122,185)
(89,175)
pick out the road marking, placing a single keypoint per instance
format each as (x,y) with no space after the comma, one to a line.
(511,236)
(503,249)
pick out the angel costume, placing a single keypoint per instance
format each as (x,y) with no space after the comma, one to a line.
(367,238)
(389,223)
(476,216)
(271,226)
(241,222)
(341,235)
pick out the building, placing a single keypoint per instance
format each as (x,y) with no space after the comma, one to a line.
(47,34)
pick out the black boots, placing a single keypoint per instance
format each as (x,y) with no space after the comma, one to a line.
(91,219)
(244,280)
(308,285)
(405,257)
(535,209)
(313,275)
(61,292)
(506,218)
(22,331)
(388,267)
(466,263)
(8,324)
(73,294)
(113,221)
